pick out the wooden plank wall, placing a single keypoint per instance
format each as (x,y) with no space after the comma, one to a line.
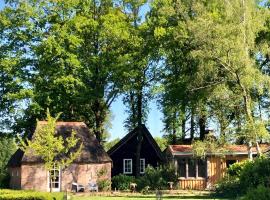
(216,168)
(192,184)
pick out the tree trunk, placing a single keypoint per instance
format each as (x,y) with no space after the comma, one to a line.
(138,151)
(100,114)
(192,125)
(202,125)
(139,136)
(174,128)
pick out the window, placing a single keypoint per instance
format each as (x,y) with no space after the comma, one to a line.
(142,165)
(182,167)
(202,168)
(127,167)
(191,168)
(230,162)
(54,179)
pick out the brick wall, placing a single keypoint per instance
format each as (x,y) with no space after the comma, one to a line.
(82,174)
(35,177)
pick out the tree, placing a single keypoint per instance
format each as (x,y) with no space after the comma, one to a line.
(108,145)
(70,57)
(226,34)
(53,149)
(7,148)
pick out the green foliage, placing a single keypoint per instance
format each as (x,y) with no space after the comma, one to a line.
(63,56)
(230,186)
(29,195)
(245,176)
(209,145)
(236,169)
(255,173)
(7,148)
(103,183)
(108,145)
(260,192)
(156,178)
(52,148)
(162,143)
(122,182)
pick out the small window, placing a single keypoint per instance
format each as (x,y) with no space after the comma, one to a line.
(202,168)
(17,173)
(142,165)
(11,173)
(182,167)
(127,168)
(230,162)
(191,168)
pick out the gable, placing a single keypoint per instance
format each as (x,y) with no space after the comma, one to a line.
(128,143)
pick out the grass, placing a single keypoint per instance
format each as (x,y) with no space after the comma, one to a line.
(145,197)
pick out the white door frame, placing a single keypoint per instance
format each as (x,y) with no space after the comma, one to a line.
(58,189)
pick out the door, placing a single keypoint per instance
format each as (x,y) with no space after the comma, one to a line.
(55,179)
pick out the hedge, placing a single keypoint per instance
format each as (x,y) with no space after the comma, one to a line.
(29,195)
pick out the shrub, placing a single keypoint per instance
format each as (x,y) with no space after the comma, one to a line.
(261,193)
(255,173)
(29,195)
(103,183)
(228,187)
(242,177)
(156,178)
(4,180)
(122,182)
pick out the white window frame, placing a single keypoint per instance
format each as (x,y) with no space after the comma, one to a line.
(59,181)
(142,171)
(124,166)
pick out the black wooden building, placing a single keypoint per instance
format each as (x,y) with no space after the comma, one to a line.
(123,153)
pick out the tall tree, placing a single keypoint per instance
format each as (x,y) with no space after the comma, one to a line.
(72,60)
(226,33)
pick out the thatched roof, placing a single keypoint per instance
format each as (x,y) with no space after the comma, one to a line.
(92,151)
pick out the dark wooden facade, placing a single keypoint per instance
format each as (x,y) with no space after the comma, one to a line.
(126,149)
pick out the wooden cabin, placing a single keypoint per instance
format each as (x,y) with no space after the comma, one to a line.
(200,174)
(123,154)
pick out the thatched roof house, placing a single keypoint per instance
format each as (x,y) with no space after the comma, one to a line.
(27,170)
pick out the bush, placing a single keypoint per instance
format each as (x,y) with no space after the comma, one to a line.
(255,173)
(259,193)
(4,180)
(122,182)
(29,195)
(244,176)
(156,178)
(103,183)
(228,187)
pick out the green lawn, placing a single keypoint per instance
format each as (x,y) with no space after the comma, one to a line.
(143,197)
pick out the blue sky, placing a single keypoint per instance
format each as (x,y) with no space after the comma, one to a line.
(154,122)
